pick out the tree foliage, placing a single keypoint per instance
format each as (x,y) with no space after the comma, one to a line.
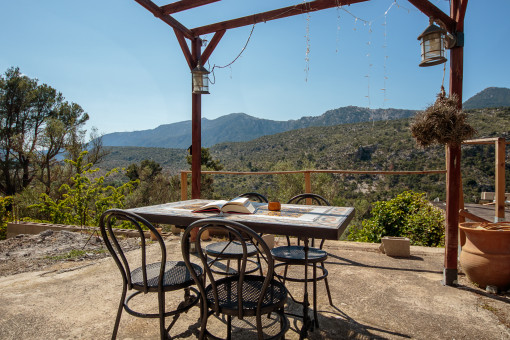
(153,186)
(148,169)
(207,163)
(36,124)
(5,215)
(83,201)
(407,215)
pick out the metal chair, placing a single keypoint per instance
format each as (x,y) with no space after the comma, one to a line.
(295,255)
(238,295)
(255,197)
(231,250)
(158,277)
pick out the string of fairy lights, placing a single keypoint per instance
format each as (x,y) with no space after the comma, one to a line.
(368,24)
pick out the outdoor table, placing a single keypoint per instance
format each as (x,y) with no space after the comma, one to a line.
(304,221)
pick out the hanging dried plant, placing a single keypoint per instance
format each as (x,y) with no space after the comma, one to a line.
(441,123)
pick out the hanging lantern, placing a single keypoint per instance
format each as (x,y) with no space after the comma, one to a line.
(200,80)
(432,45)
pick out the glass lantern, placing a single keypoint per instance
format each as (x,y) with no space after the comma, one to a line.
(200,80)
(432,46)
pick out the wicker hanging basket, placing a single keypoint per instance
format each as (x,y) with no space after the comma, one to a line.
(441,123)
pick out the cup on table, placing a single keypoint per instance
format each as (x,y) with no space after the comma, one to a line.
(274,206)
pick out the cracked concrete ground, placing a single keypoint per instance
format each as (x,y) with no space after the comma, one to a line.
(375,297)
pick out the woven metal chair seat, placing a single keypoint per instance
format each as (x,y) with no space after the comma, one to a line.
(297,253)
(230,249)
(176,276)
(275,296)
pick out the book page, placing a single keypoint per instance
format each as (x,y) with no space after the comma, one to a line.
(213,206)
(239,205)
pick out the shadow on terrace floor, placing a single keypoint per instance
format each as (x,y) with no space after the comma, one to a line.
(374,296)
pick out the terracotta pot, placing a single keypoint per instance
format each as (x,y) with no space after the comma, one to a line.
(485,255)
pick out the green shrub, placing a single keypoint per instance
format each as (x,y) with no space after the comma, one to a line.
(5,215)
(407,215)
(87,197)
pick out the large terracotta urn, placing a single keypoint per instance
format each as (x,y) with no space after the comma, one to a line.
(485,255)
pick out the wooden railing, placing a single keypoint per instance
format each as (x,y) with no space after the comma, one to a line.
(500,153)
(498,142)
(306,173)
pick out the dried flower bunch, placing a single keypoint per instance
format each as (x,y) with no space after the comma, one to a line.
(441,123)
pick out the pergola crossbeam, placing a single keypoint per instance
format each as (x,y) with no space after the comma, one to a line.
(461,13)
(427,8)
(158,13)
(184,5)
(306,7)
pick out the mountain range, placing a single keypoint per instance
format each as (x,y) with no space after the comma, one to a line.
(214,131)
(490,97)
(219,130)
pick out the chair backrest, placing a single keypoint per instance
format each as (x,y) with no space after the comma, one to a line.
(255,197)
(117,217)
(315,200)
(236,232)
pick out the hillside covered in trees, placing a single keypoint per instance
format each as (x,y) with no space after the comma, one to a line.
(383,145)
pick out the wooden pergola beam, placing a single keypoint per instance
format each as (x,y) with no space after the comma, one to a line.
(184,5)
(306,7)
(185,49)
(453,176)
(461,13)
(158,13)
(211,46)
(432,11)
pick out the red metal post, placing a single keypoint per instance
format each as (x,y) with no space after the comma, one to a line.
(453,181)
(196,128)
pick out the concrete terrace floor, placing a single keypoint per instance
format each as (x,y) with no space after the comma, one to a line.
(375,297)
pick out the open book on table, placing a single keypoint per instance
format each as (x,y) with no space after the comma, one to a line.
(239,205)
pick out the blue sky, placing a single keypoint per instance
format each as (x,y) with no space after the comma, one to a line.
(125,67)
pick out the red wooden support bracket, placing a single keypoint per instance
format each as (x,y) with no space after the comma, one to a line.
(184,48)
(211,46)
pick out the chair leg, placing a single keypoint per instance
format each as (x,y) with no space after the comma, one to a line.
(229,327)
(260,333)
(285,273)
(119,312)
(282,324)
(203,320)
(316,319)
(327,288)
(260,264)
(228,266)
(162,328)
